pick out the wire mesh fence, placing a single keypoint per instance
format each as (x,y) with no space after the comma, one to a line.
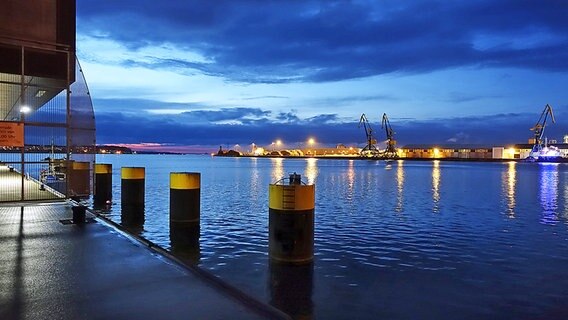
(47,124)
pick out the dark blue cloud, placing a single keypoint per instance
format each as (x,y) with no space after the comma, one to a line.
(316,41)
(323,118)
(288,117)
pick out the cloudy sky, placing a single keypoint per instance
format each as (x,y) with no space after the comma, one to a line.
(193,75)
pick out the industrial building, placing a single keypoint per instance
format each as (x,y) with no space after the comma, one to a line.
(445,151)
(465,151)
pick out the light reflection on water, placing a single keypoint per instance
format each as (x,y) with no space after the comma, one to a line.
(371,261)
(311,171)
(399,186)
(277,169)
(436,179)
(350,180)
(509,182)
(549,192)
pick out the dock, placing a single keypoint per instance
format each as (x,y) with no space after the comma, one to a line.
(53,269)
(11,187)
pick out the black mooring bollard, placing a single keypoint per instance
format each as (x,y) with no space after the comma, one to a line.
(80,179)
(132,196)
(185,208)
(103,184)
(291,222)
(79,214)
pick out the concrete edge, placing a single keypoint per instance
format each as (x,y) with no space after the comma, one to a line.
(217,283)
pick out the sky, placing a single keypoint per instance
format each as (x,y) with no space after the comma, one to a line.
(184,76)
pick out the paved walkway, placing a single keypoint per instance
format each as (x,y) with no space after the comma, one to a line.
(11,187)
(49,270)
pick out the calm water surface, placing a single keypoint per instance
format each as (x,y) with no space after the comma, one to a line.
(406,240)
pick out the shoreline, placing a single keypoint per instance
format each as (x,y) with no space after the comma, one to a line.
(378,159)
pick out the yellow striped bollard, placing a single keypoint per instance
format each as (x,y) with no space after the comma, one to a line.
(103,184)
(185,210)
(132,188)
(80,179)
(291,221)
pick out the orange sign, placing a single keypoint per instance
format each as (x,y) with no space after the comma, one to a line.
(11,134)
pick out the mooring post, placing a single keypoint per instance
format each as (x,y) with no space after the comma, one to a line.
(79,179)
(103,184)
(79,214)
(291,221)
(185,209)
(132,190)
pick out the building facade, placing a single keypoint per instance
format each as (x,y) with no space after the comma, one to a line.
(47,124)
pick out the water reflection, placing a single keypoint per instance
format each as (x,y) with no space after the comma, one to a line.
(277,169)
(184,242)
(436,179)
(311,172)
(254,178)
(565,213)
(350,180)
(549,192)
(291,289)
(399,185)
(509,180)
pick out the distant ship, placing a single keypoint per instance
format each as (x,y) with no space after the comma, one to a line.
(546,154)
(540,152)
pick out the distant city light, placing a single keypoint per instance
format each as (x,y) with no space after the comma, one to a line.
(436,152)
(259,151)
(278,142)
(311,141)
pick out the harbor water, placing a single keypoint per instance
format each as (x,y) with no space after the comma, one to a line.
(398,240)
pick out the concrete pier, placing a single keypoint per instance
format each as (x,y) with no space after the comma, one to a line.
(11,182)
(55,270)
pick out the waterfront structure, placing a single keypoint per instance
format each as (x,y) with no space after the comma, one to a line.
(46,113)
(339,151)
(457,151)
(523,150)
(464,151)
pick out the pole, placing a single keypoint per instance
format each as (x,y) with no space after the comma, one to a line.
(132,196)
(185,208)
(291,222)
(23,120)
(103,184)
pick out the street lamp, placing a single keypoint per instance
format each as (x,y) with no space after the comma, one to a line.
(311,142)
(23,111)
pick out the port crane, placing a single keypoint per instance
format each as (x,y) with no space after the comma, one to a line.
(390,150)
(539,131)
(370,150)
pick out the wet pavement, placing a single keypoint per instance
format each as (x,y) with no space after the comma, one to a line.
(52,270)
(11,187)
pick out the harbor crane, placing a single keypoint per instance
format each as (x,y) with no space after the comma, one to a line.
(390,150)
(539,131)
(370,150)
